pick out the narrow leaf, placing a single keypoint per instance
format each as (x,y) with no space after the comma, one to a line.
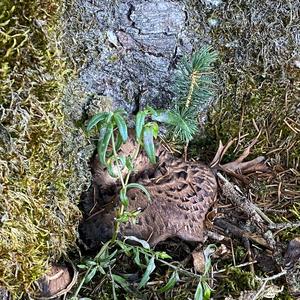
(137,259)
(207,291)
(126,248)
(101,270)
(149,144)
(111,168)
(199,292)
(139,124)
(141,187)
(91,263)
(150,268)
(90,275)
(135,239)
(122,282)
(209,250)
(119,142)
(95,120)
(129,163)
(154,127)
(171,283)
(121,126)
(103,144)
(162,116)
(123,197)
(103,252)
(162,255)
(84,267)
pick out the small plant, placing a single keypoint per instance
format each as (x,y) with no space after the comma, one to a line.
(144,258)
(203,290)
(192,87)
(113,133)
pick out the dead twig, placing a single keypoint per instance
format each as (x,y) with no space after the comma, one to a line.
(239,233)
(265,281)
(234,194)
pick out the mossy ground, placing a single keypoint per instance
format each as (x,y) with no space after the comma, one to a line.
(257,44)
(38,221)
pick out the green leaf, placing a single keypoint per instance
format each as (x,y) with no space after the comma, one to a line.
(84,267)
(162,255)
(171,283)
(107,132)
(91,263)
(154,127)
(121,126)
(122,282)
(141,187)
(122,160)
(103,253)
(111,168)
(150,268)
(123,197)
(95,120)
(119,142)
(208,251)
(150,110)
(149,144)
(126,248)
(199,292)
(207,291)
(139,124)
(101,270)
(162,116)
(90,275)
(129,163)
(137,259)
(135,239)
(111,256)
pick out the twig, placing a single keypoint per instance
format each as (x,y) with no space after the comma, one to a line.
(282,226)
(266,280)
(237,266)
(237,232)
(188,273)
(232,192)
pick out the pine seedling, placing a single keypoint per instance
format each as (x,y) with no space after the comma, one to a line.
(193,88)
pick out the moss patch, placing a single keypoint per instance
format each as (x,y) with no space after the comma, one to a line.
(38,222)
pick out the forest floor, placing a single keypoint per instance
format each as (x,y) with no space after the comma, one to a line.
(258,75)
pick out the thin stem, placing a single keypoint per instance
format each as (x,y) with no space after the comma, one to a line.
(81,283)
(124,186)
(112,284)
(194,78)
(135,155)
(121,209)
(179,269)
(118,167)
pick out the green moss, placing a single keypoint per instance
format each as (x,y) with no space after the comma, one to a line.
(38,222)
(237,280)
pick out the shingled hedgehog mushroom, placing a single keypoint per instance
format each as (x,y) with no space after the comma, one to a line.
(182,192)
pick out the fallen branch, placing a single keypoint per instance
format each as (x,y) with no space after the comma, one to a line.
(239,233)
(251,210)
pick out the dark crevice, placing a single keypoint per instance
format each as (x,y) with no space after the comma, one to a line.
(137,101)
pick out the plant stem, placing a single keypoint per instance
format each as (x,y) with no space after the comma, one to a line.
(118,167)
(81,283)
(194,78)
(120,211)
